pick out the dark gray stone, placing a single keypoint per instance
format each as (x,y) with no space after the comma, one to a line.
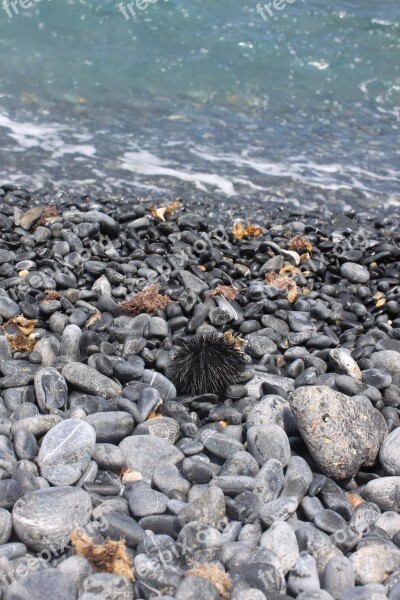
(91,381)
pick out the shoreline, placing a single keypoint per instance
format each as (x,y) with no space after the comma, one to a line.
(289,481)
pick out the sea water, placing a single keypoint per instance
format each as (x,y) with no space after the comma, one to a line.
(294,100)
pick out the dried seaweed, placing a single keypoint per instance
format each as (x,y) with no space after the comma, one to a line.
(227,291)
(49,211)
(299,243)
(20,342)
(26,326)
(50,295)
(147,301)
(213,573)
(283,282)
(110,557)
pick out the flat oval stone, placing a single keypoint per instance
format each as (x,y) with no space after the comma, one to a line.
(66,451)
(112,426)
(48,517)
(91,381)
(355,273)
(389,454)
(42,584)
(51,389)
(144,453)
(268,442)
(143,501)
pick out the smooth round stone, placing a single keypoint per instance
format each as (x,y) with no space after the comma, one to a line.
(144,501)
(197,471)
(111,427)
(260,345)
(25,445)
(209,508)
(304,575)
(164,386)
(5,526)
(390,522)
(107,586)
(269,481)
(387,361)
(384,492)
(354,273)
(66,451)
(48,517)
(76,568)
(269,441)
(10,491)
(297,479)
(281,539)
(163,427)
(168,479)
(376,378)
(89,380)
(372,563)
(278,510)
(70,341)
(51,389)
(338,576)
(42,584)
(271,409)
(144,453)
(300,321)
(8,308)
(220,444)
(240,463)
(234,485)
(389,454)
(108,457)
(193,588)
(329,521)
(121,526)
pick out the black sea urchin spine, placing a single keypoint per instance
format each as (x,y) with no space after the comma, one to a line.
(205,364)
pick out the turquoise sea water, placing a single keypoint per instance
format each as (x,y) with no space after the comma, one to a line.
(204,95)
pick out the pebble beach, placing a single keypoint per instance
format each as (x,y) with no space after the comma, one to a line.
(117,484)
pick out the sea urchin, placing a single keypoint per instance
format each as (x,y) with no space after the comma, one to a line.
(206,364)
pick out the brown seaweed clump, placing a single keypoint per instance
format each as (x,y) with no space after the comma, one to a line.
(227,291)
(49,211)
(110,557)
(20,342)
(50,295)
(221,581)
(149,301)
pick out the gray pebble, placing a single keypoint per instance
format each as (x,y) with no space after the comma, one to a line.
(91,381)
(338,576)
(66,451)
(144,453)
(50,516)
(112,426)
(268,442)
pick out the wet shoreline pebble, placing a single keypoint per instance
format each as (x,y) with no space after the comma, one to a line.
(287,484)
